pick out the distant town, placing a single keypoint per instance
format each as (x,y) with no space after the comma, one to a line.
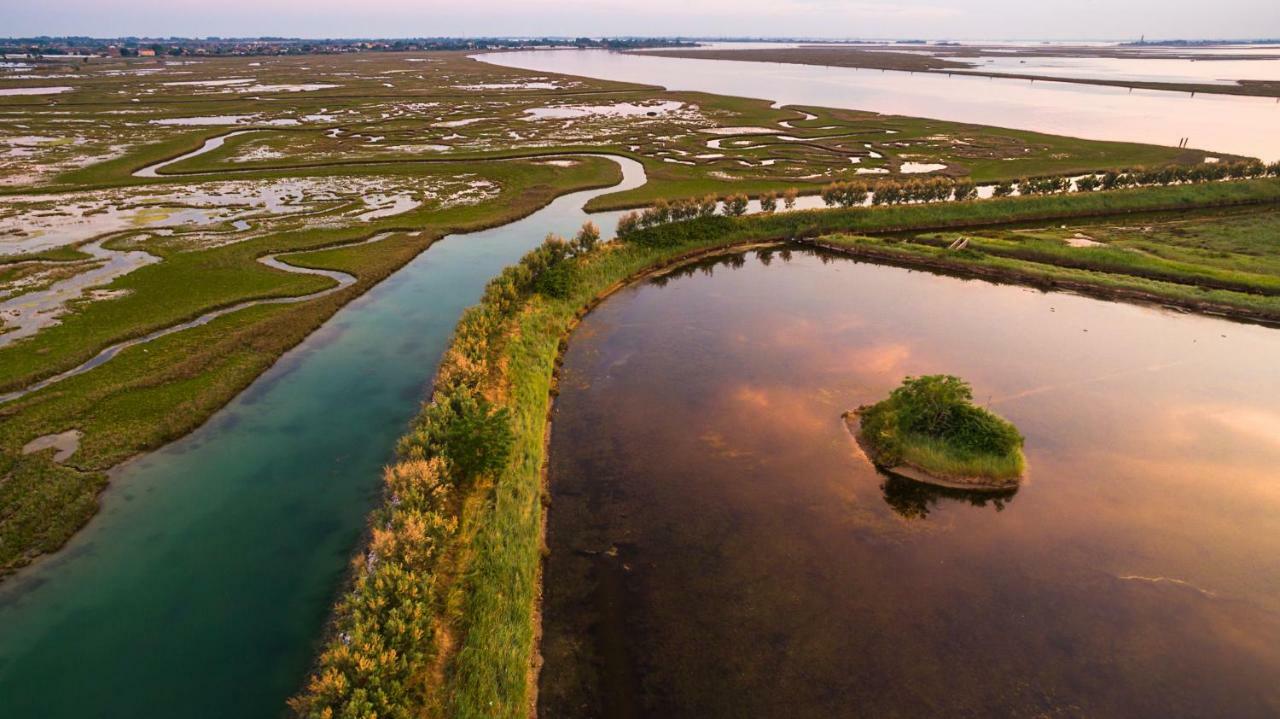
(80,47)
(55,48)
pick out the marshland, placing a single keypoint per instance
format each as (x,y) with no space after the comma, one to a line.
(303,410)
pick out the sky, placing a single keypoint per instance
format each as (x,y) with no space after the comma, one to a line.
(925,19)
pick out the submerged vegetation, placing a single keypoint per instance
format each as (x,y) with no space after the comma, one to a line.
(930,423)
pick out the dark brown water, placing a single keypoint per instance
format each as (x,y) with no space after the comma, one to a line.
(719,548)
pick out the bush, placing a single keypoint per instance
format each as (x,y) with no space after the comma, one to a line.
(684,210)
(887,193)
(659,213)
(707,207)
(926,404)
(627,225)
(556,281)
(735,205)
(831,194)
(936,408)
(769,202)
(978,431)
(468,431)
(586,239)
(789,197)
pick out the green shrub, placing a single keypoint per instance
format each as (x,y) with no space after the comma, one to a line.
(586,239)
(937,412)
(978,431)
(555,281)
(735,205)
(926,403)
(467,430)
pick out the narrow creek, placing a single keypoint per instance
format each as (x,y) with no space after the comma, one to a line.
(201,587)
(54,299)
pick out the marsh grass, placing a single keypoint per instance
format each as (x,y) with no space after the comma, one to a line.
(939,457)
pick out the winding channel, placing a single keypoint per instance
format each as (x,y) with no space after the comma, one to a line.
(201,586)
(342,280)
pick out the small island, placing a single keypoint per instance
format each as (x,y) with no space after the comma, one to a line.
(929,430)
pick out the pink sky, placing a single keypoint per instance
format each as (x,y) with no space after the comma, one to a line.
(971,19)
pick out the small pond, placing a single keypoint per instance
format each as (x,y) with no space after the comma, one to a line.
(719,548)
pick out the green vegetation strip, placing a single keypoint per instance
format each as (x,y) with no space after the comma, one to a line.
(441,615)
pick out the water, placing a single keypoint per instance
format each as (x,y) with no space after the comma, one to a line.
(759,566)
(201,587)
(1220,123)
(1213,72)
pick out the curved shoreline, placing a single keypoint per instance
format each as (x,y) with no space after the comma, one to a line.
(211,144)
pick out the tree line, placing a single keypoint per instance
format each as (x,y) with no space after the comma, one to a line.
(855,193)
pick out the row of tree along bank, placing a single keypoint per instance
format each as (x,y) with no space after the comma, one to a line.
(942,189)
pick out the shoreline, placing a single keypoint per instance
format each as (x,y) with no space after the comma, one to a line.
(873,59)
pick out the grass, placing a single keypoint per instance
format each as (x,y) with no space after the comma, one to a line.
(1228,247)
(147,396)
(482,617)
(125,106)
(1217,261)
(984,213)
(1202,269)
(937,457)
(189,283)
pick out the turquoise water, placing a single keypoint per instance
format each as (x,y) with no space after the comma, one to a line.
(202,586)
